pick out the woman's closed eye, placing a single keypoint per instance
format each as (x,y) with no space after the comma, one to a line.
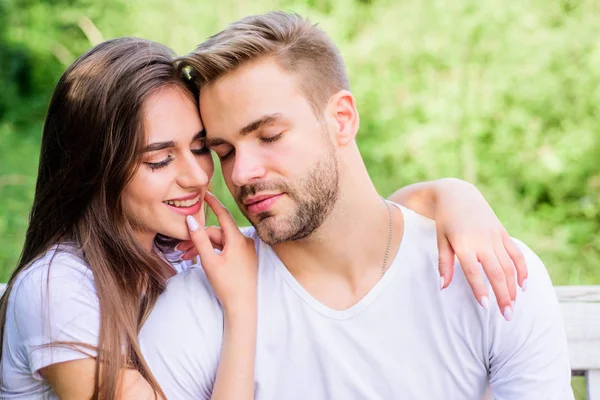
(159,164)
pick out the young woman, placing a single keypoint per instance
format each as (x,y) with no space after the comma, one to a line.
(122,168)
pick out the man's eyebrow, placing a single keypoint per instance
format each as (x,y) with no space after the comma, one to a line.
(159,146)
(264,120)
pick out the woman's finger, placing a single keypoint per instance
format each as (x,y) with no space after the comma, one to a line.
(445,260)
(509,272)
(497,279)
(215,234)
(190,254)
(518,260)
(184,245)
(201,242)
(473,274)
(223,215)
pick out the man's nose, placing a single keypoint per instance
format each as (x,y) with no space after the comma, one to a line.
(247,168)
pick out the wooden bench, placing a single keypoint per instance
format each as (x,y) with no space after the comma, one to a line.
(581,312)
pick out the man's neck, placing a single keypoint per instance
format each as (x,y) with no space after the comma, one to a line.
(343,259)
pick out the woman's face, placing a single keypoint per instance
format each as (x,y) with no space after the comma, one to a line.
(175,172)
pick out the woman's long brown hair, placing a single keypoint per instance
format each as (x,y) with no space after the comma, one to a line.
(92,141)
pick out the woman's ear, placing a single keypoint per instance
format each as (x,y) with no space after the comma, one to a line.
(342,110)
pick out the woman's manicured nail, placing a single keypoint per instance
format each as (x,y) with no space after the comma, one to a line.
(508,313)
(524,285)
(192,223)
(441,282)
(485,302)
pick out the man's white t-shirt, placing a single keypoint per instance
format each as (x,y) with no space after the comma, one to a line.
(54,300)
(405,339)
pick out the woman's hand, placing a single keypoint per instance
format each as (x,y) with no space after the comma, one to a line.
(233,275)
(233,272)
(468,228)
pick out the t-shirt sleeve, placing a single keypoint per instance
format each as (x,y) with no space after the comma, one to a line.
(55,311)
(528,356)
(181,339)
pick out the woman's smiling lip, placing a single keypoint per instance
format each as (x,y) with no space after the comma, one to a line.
(189,197)
(184,209)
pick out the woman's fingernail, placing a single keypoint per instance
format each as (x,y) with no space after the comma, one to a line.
(508,313)
(512,304)
(524,285)
(441,282)
(485,302)
(192,223)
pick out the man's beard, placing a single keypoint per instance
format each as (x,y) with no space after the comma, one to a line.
(315,197)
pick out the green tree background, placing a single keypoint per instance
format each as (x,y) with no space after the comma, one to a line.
(503,94)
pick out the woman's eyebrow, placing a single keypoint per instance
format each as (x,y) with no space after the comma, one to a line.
(159,146)
(168,144)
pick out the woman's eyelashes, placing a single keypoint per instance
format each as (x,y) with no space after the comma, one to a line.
(201,151)
(163,163)
(159,164)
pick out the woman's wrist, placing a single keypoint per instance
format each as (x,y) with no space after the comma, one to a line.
(240,314)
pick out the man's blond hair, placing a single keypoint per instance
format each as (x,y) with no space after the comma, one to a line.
(297,45)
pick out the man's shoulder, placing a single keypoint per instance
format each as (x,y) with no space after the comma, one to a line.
(182,337)
(190,285)
(419,229)
(188,304)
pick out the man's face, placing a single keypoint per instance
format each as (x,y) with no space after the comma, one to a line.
(277,157)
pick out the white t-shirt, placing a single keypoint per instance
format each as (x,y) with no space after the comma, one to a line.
(54,300)
(405,339)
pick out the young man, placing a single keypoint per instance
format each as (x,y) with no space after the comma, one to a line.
(348,307)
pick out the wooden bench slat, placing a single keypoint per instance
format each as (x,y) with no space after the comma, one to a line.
(577,293)
(582,325)
(593,384)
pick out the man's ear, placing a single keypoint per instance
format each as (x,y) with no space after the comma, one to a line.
(344,115)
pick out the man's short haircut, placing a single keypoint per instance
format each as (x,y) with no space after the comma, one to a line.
(296,44)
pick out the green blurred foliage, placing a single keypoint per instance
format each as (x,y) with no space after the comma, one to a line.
(502,94)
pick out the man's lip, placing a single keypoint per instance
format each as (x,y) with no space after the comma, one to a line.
(191,196)
(251,200)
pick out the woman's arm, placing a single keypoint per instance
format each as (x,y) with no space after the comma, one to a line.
(235,375)
(74,380)
(233,275)
(468,228)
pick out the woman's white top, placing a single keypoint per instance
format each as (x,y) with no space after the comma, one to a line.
(54,300)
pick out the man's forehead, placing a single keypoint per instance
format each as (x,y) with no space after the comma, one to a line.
(244,126)
(251,84)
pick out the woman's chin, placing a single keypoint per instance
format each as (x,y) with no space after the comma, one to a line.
(181,232)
